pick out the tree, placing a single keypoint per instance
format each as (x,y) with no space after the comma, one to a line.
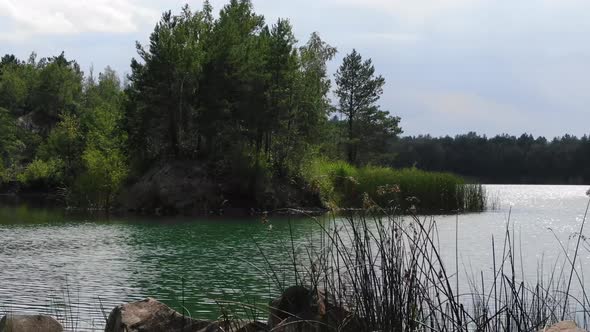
(377,130)
(103,158)
(10,144)
(358,91)
(164,84)
(65,144)
(314,87)
(306,123)
(14,89)
(57,92)
(232,98)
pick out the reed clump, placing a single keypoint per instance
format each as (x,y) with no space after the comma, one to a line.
(345,186)
(388,270)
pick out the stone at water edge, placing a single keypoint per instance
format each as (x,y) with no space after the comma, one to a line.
(565,326)
(301,309)
(29,323)
(150,315)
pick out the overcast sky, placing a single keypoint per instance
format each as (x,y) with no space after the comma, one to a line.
(451,66)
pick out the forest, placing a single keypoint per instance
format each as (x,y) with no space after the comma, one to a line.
(231,92)
(500,159)
(245,100)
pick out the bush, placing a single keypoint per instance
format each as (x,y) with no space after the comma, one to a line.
(103,177)
(42,173)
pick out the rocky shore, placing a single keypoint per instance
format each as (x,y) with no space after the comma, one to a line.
(298,309)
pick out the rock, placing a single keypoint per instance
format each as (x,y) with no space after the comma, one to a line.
(296,301)
(565,326)
(29,323)
(150,315)
(301,309)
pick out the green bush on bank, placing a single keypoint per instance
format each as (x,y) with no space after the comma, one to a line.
(42,173)
(343,185)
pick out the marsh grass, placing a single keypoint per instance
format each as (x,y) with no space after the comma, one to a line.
(343,185)
(389,271)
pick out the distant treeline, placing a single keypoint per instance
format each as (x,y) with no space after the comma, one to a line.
(499,159)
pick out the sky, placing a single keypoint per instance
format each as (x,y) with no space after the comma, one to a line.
(451,66)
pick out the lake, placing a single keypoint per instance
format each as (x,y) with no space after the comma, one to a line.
(74,265)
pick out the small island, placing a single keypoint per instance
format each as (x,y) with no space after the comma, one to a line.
(217,115)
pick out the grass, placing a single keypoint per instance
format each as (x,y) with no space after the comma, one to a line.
(389,273)
(343,185)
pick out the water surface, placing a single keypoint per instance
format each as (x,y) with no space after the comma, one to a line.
(50,258)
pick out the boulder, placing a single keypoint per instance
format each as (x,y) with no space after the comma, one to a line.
(29,323)
(295,302)
(150,315)
(565,326)
(302,309)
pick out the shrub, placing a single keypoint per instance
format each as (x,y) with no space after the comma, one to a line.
(42,173)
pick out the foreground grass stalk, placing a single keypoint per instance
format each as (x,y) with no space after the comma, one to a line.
(569,283)
(388,271)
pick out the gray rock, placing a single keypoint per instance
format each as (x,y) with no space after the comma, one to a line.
(29,323)
(150,315)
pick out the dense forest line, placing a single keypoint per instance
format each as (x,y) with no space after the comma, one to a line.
(500,159)
(237,96)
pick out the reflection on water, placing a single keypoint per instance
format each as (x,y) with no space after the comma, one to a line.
(48,257)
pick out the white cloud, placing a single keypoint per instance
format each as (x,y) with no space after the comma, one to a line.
(25,18)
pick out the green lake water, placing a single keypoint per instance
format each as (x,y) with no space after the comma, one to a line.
(49,258)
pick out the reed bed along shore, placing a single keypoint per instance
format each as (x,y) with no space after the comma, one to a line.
(343,185)
(388,271)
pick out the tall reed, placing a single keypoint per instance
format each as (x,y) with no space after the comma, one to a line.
(345,186)
(388,271)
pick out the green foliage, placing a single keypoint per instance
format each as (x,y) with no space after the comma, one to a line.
(65,141)
(367,127)
(13,88)
(41,173)
(58,91)
(103,176)
(499,159)
(9,140)
(161,111)
(104,161)
(207,88)
(233,93)
(343,185)
(3,173)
